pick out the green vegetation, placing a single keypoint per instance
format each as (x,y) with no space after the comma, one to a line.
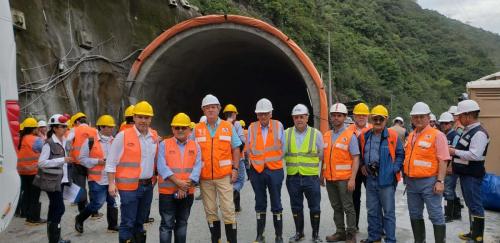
(381,49)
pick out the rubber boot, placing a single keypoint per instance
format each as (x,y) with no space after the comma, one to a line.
(298,219)
(261,225)
(439,233)
(477,229)
(467,236)
(278,227)
(54,233)
(418,228)
(215,231)
(80,218)
(457,209)
(131,240)
(34,216)
(231,233)
(140,237)
(112,217)
(236,199)
(315,219)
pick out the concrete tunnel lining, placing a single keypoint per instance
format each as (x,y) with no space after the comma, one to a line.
(236,62)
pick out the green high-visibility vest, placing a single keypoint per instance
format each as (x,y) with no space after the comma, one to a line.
(304,160)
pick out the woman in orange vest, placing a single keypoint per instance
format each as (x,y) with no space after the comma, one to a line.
(179,167)
(28,151)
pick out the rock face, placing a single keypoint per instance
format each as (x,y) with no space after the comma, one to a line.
(76,55)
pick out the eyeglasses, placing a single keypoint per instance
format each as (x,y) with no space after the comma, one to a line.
(378,119)
(180,128)
(62,126)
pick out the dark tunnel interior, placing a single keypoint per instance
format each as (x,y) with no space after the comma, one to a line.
(236,66)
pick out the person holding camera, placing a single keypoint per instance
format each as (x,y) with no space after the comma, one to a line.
(382,157)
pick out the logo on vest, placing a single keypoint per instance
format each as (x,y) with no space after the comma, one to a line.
(344,139)
(130,144)
(224,129)
(428,136)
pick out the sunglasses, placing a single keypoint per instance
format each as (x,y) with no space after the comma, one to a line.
(61,126)
(180,128)
(445,123)
(378,119)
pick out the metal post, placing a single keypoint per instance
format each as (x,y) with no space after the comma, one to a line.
(329,74)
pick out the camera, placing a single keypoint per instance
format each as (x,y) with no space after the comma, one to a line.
(373,169)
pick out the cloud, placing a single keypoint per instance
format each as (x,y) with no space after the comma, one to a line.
(479,13)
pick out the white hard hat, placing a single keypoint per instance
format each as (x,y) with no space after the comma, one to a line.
(203,118)
(420,108)
(263,106)
(209,100)
(433,117)
(58,119)
(398,119)
(453,110)
(338,108)
(467,106)
(300,109)
(446,117)
(42,123)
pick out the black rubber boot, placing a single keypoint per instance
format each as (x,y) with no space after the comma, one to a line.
(231,233)
(298,219)
(236,199)
(81,206)
(80,218)
(112,217)
(315,219)
(467,236)
(140,237)
(449,209)
(215,231)
(477,229)
(54,233)
(440,233)
(261,225)
(278,227)
(418,228)
(457,209)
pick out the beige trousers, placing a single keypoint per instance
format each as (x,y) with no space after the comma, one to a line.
(223,189)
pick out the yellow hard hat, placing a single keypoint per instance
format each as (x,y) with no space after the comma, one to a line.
(21,126)
(77,116)
(30,122)
(181,120)
(143,108)
(380,110)
(230,108)
(129,111)
(192,125)
(361,109)
(106,120)
(242,123)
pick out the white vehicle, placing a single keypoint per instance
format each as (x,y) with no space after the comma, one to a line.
(9,119)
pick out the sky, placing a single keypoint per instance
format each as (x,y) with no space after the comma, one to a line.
(479,13)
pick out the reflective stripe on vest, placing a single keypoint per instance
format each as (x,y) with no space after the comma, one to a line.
(181,167)
(216,152)
(421,157)
(27,159)
(268,154)
(82,133)
(95,173)
(337,164)
(305,160)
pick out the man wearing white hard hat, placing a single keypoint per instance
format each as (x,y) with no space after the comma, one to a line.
(220,154)
(458,127)
(265,140)
(42,129)
(468,163)
(433,121)
(452,206)
(426,158)
(303,155)
(340,166)
(398,126)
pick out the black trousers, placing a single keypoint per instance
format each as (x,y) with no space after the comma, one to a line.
(356,195)
(29,201)
(79,177)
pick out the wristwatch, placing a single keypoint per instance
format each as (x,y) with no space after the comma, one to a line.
(440,181)
(234,168)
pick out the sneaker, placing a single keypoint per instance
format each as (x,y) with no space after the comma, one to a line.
(350,238)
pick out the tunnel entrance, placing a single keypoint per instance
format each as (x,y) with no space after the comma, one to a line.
(238,63)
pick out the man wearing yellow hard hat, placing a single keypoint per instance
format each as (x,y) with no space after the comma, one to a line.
(130,167)
(179,167)
(129,118)
(382,157)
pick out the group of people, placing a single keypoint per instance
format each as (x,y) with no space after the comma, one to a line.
(215,154)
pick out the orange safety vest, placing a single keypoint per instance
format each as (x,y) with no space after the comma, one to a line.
(128,169)
(338,161)
(27,159)
(262,155)
(82,133)
(392,141)
(421,157)
(355,129)
(216,151)
(95,173)
(180,166)
(125,126)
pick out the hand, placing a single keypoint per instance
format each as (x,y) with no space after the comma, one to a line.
(101,162)
(438,187)
(351,185)
(452,151)
(183,185)
(68,160)
(364,171)
(234,176)
(181,194)
(322,181)
(112,189)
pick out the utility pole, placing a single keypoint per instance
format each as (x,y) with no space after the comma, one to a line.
(329,74)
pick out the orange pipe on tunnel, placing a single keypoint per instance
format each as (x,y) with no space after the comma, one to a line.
(247,21)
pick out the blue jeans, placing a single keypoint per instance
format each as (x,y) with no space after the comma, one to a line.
(240,181)
(381,206)
(134,207)
(421,191)
(298,186)
(99,195)
(174,217)
(450,184)
(471,191)
(273,181)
